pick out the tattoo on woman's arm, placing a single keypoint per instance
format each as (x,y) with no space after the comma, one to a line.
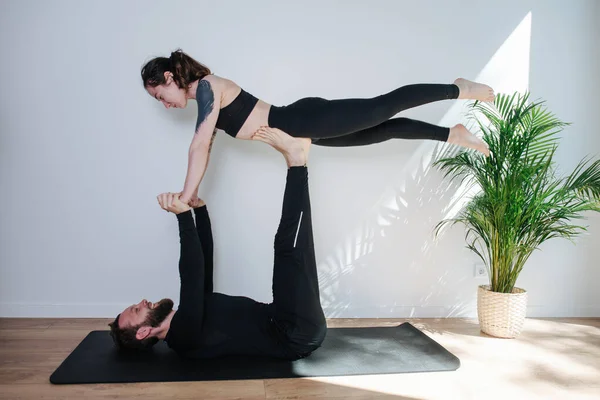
(205,99)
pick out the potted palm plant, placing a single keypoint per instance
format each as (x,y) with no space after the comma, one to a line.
(521,202)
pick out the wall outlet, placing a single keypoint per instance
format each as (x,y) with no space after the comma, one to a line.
(479,271)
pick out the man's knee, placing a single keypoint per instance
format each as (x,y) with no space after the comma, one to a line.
(320,333)
(312,337)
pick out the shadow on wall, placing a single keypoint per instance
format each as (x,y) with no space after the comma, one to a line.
(394,246)
(414,208)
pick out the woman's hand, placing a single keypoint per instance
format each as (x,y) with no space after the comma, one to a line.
(189,199)
(170,202)
(196,202)
(193,202)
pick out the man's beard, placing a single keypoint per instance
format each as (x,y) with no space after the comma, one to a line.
(158,314)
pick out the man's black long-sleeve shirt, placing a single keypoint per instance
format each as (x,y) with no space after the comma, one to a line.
(208,324)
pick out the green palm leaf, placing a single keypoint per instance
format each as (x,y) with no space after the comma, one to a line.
(522,203)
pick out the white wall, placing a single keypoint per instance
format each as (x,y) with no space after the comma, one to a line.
(84,150)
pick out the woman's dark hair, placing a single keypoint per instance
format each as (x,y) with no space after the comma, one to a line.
(184,68)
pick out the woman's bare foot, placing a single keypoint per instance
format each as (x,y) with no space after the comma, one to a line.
(295,150)
(474,91)
(461,136)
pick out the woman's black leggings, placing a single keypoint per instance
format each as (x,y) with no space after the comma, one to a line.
(359,122)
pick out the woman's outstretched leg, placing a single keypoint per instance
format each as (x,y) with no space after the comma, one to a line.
(296,300)
(406,128)
(318,118)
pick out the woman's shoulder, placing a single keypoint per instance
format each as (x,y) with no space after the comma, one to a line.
(220,81)
(226,89)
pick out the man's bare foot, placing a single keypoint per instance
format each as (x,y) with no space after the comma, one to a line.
(461,136)
(474,91)
(295,150)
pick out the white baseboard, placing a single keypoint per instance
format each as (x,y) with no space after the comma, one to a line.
(61,310)
(110,310)
(463,311)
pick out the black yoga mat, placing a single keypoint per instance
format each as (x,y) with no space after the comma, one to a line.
(345,351)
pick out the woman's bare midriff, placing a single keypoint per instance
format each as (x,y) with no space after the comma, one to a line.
(257,118)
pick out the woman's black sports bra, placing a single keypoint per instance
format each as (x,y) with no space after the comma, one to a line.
(232,117)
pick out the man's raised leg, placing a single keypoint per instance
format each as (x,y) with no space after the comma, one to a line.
(296,298)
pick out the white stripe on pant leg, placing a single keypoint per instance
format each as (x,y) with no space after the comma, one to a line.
(298,229)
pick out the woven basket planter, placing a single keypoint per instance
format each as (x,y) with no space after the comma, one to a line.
(501,314)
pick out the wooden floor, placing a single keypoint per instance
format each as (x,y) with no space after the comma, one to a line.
(552,359)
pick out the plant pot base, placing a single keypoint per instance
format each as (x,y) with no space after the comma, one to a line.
(501,314)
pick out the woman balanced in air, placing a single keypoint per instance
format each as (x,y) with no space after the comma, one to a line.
(222,104)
